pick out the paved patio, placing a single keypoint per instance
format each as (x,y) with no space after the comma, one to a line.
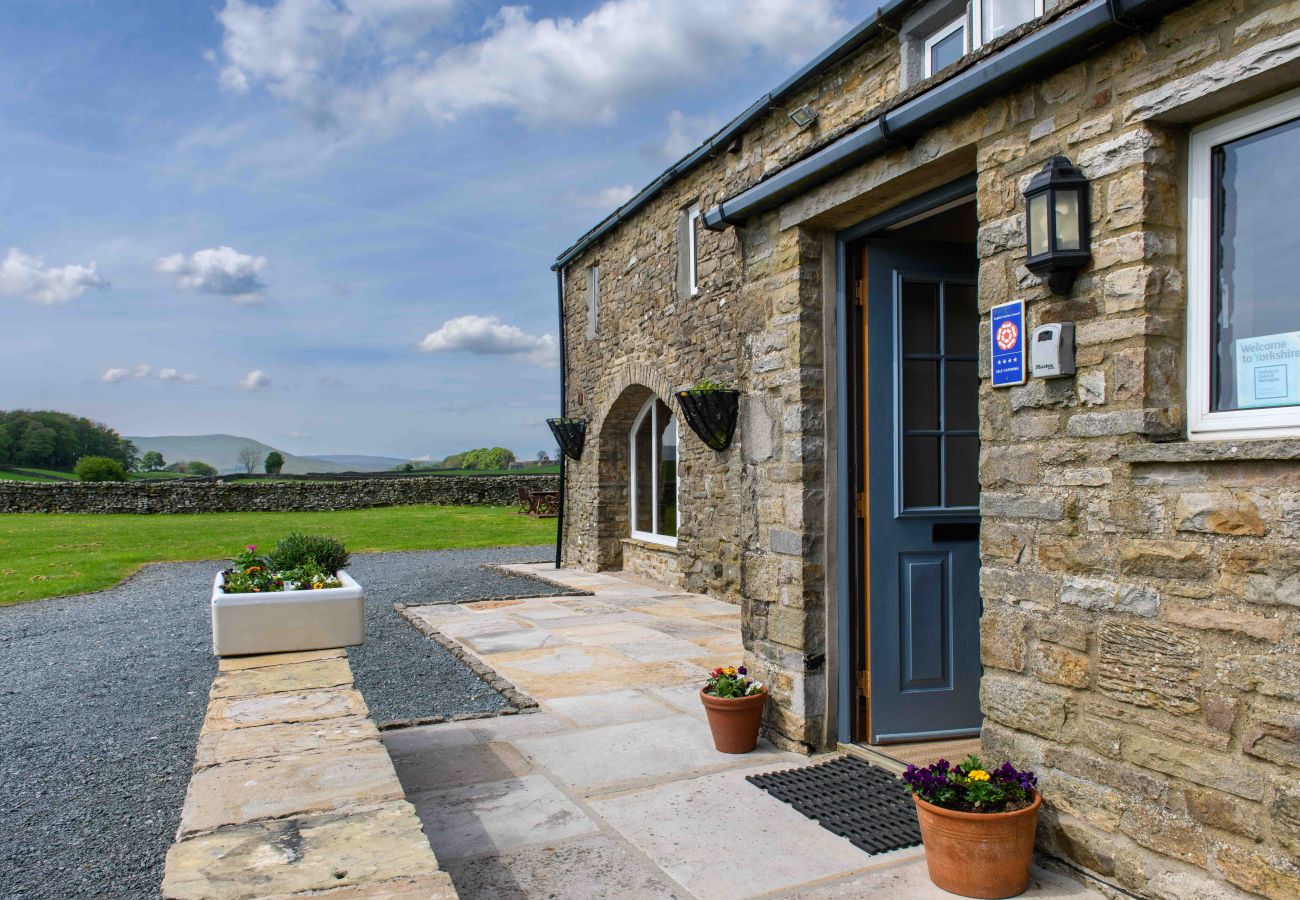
(613,789)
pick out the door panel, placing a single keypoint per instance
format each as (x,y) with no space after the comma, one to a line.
(923,489)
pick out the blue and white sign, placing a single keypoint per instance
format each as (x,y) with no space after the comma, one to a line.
(1007,337)
(1268,370)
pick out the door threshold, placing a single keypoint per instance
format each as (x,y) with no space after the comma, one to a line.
(897,757)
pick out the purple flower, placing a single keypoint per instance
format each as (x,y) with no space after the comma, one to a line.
(742,670)
(251,548)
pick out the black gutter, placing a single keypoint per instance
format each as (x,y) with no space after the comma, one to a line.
(564,460)
(829,57)
(1055,46)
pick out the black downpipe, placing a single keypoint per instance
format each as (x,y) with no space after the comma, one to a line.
(564,460)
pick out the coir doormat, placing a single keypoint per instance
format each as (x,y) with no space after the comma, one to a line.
(867,805)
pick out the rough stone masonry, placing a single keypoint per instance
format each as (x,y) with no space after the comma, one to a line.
(248,496)
(1141,629)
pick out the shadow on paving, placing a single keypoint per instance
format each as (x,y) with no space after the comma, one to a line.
(102,696)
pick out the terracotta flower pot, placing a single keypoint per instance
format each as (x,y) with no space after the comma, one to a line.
(734,721)
(979,854)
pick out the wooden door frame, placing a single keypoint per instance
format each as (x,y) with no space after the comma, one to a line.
(852,532)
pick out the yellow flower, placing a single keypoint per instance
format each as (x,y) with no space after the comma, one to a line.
(729,670)
(977,775)
(316,586)
(252,569)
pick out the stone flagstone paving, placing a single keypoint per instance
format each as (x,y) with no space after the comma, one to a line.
(613,788)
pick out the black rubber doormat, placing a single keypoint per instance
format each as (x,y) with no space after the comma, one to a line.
(856,800)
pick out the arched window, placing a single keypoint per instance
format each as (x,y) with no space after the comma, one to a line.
(653,474)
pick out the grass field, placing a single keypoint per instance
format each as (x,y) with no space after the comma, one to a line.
(50,555)
(50,475)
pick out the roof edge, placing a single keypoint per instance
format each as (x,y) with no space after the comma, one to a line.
(828,58)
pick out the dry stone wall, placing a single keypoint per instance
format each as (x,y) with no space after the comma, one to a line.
(292,496)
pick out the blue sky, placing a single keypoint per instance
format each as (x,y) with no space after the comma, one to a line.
(328,224)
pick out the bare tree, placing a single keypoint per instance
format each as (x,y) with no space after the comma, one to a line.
(250,458)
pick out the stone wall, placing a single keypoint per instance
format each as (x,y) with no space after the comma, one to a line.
(651,561)
(294,496)
(1141,636)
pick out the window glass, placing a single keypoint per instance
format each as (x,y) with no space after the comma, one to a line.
(693,229)
(939,395)
(643,474)
(593,300)
(1000,16)
(667,490)
(1255,230)
(654,473)
(947,50)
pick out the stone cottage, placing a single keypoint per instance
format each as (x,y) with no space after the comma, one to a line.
(1081,543)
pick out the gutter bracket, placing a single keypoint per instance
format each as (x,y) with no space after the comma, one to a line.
(1122,19)
(887,135)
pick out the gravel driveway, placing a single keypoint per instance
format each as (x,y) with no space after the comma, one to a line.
(102,695)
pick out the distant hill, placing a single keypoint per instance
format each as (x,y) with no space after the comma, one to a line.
(222,451)
(357,462)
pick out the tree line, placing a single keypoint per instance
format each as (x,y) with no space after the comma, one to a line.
(45,439)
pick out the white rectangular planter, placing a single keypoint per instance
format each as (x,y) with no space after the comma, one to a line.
(287,621)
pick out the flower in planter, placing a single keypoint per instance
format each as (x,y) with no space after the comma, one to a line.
(969,787)
(732,681)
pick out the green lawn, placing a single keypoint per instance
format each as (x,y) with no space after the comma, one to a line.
(23,476)
(50,555)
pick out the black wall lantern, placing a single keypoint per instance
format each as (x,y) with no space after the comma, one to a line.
(1057,223)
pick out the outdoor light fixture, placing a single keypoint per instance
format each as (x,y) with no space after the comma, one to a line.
(1057,223)
(803,116)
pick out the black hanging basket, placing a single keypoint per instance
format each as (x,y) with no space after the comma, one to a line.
(711,415)
(570,435)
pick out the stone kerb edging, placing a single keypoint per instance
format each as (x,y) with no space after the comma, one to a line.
(293,794)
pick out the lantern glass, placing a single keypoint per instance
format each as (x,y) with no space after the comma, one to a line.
(1038,228)
(1067,219)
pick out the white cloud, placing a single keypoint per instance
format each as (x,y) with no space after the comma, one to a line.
(544,69)
(299,434)
(609,198)
(144,370)
(219,270)
(254,381)
(489,336)
(685,133)
(29,278)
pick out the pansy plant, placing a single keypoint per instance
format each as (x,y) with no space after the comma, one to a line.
(730,682)
(969,787)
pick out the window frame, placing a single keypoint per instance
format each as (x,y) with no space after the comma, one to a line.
(593,299)
(1204,424)
(946,31)
(650,408)
(692,247)
(977,24)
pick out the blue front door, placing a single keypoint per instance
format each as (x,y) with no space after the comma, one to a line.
(923,490)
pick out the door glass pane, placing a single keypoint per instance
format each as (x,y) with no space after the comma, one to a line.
(947,50)
(1256,319)
(920,317)
(920,471)
(920,394)
(961,395)
(667,472)
(961,320)
(961,466)
(643,474)
(1000,16)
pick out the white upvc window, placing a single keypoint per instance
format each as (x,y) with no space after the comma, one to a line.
(945,46)
(1243,268)
(994,18)
(693,247)
(652,475)
(593,300)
